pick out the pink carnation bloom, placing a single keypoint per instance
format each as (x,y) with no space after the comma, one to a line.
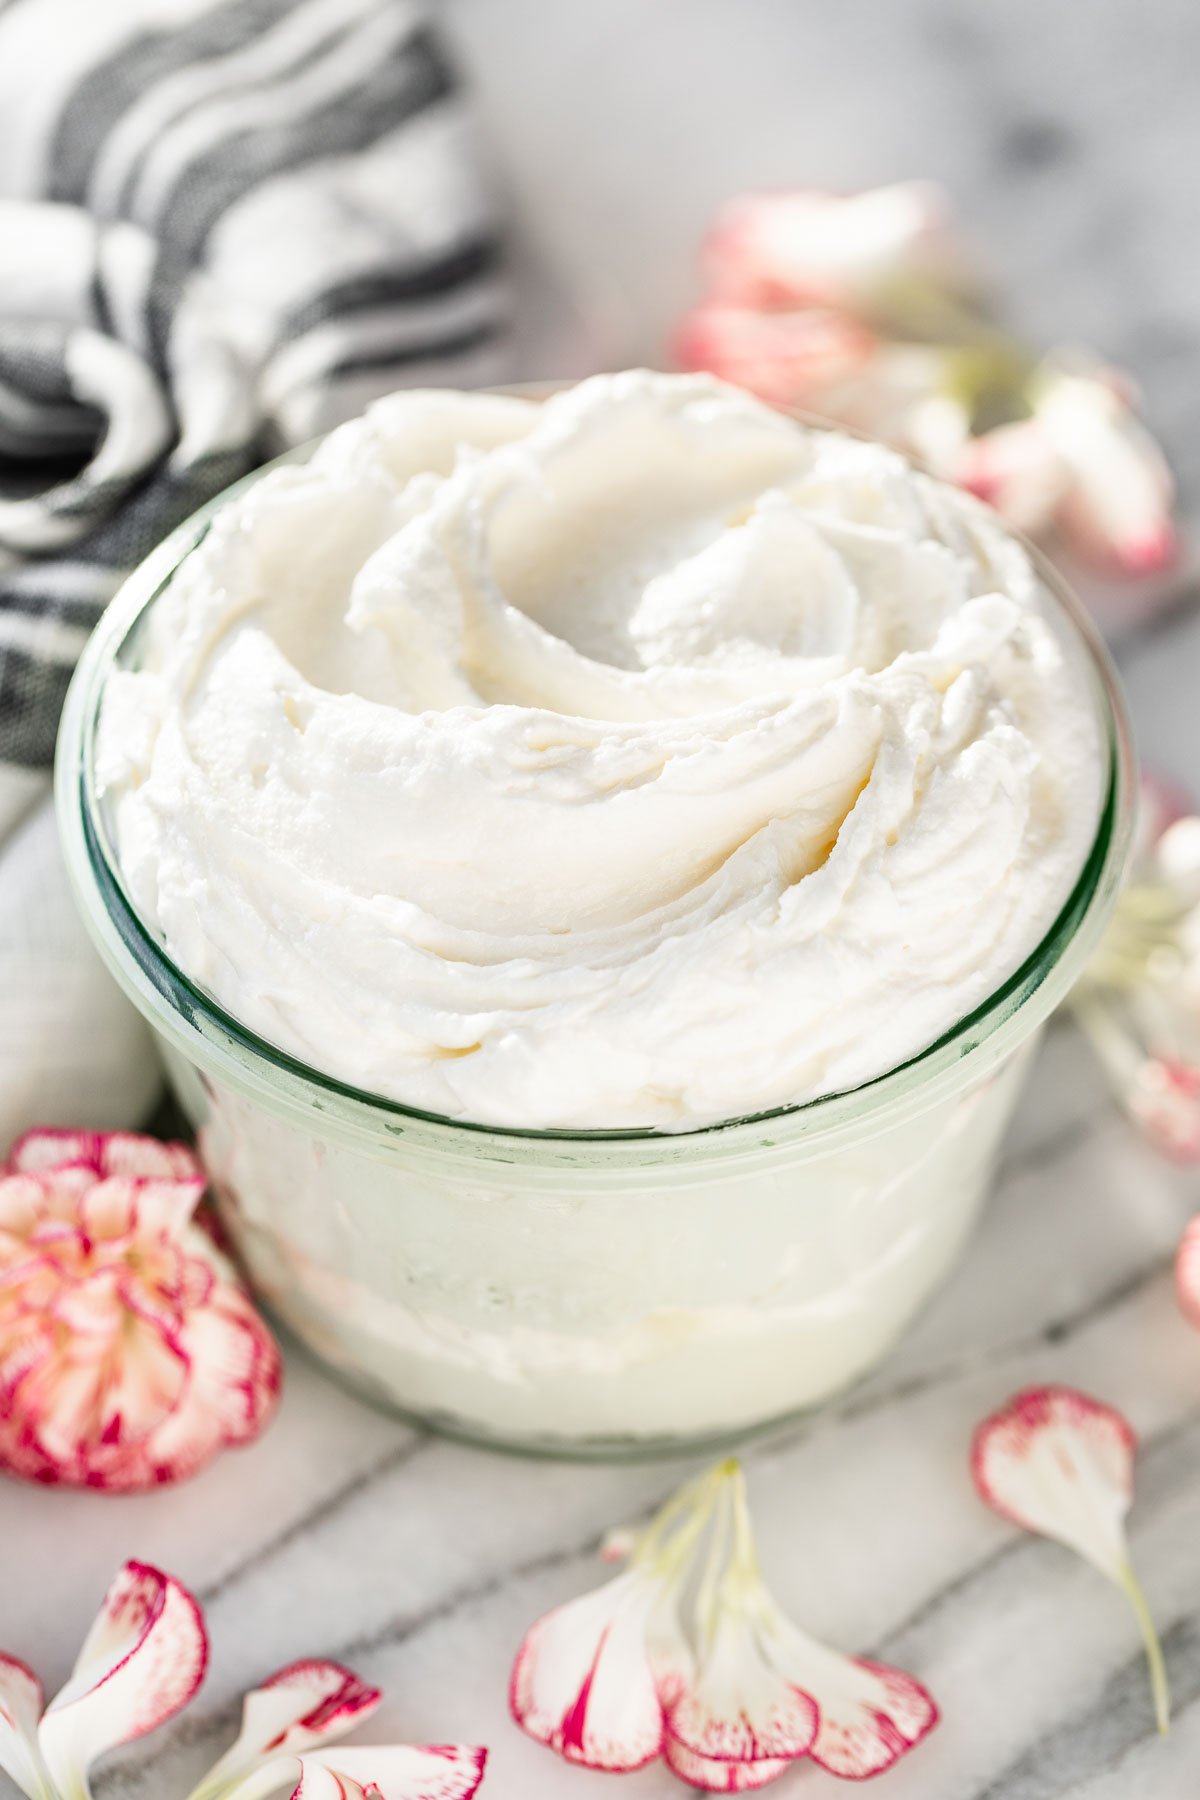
(130,1352)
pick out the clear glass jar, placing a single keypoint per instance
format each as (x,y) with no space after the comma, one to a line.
(592,1293)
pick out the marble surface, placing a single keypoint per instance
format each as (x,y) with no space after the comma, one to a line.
(617,128)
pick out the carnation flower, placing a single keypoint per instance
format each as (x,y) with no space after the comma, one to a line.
(130,1352)
(685,1655)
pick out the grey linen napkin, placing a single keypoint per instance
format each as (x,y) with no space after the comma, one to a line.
(225,225)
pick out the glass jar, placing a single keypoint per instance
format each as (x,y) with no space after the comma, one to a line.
(585,1293)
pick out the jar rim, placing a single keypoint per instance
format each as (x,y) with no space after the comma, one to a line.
(207,1033)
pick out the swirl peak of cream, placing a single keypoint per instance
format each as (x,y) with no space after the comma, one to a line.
(639,758)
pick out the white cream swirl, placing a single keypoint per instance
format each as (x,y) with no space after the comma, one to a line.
(637,759)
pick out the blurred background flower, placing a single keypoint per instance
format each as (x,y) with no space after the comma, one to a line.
(1139,1001)
(863,309)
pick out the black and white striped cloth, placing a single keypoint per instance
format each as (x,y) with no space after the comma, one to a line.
(225,225)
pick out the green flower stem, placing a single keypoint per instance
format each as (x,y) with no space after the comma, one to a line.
(674,1530)
(1159,1685)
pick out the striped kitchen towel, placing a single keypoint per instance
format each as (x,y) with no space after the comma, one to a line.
(225,225)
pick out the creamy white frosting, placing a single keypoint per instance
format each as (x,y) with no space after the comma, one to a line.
(641,758)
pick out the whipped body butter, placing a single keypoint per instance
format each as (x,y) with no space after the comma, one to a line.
(597,867)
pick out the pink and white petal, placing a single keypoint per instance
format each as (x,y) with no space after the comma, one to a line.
(20,1709)
(324,1699)
(1118,506)
(108,1209)
(300,1706)
(166,1204)
(230,1392)
(789,358)
(22,1204)
(1164,1100)
(582,1682)
(21,1360)
(46,1147)
(870,1714)
(143,1659)
(813,248)
(397,1771)
(131,1153)
(1017,470)
(739,1707)
(237,1363)
(96,1408)
(717,1777)
(870,1718)
(383,1772)
(1057,1462)
(1187,1273)
(669,1649)
(89,1306)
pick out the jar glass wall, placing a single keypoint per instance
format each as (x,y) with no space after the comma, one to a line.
(592,1293)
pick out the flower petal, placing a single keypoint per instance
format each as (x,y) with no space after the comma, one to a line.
(46,1147)
(143,1659)
(20,1709)
(1164,1099)
(324,1701)
(871,1716)
(813,248)
(1118,506)
(235,1378)
(789,358)
(1059,1463)
(307,1703)
(582,1681)
(369,1772)
(1016,469)
(130,1353)
(718,1777)
(106,1152)
(131,1153)
(396,1772)
(740,1707)
(1187,1273)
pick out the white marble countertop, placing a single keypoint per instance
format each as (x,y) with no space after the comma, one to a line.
(346,1534)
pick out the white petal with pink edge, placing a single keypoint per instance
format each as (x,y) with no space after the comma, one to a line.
(386,1772)
(582,1681)
(811,247)
(717,1777)
(107,1152)
(407,1771)
(303,1705)
(20,1709)
(1060,1463)
(1118,505)
(870,1715)
(739,1707)
(143,1660)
